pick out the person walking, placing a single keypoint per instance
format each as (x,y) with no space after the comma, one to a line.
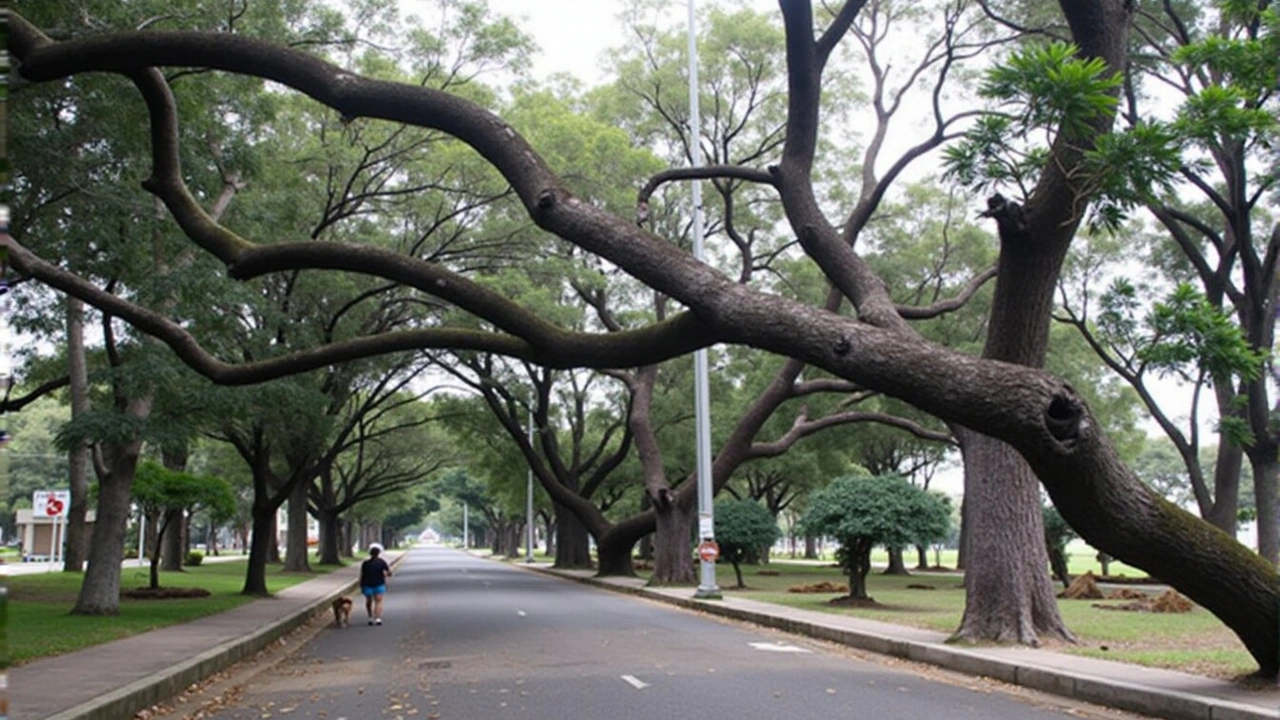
(373,583)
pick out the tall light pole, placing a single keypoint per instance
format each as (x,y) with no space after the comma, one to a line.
(528,501)
(707,587)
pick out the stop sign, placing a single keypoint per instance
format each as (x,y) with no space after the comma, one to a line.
(708,551)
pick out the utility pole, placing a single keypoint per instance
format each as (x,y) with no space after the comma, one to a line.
(707,549)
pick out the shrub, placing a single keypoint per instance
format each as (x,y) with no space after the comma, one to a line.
(194,558)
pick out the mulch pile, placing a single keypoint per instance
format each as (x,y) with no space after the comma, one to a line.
(164,593)
(1167,602)
(821,587)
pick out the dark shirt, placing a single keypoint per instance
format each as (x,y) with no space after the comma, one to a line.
(373,572)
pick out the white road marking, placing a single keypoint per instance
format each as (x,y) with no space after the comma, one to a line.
(520,613)
(635,682)
(778,647)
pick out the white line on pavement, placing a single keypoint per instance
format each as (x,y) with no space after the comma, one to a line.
(778,647)
(635,682)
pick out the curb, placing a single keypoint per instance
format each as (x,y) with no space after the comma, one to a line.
(1094,689)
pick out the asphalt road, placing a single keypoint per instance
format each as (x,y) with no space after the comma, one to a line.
(472,639)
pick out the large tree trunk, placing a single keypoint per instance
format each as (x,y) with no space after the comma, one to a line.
(100,590)
(897,566)
(273,547)
(672,544)
(295,554)
(1009,595)
(77,539)
(615,545)
(860,558)
(572,541)
(171,545)
(329,535)
(261,539)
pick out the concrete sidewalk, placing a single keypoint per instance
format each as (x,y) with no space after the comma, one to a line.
(114,681)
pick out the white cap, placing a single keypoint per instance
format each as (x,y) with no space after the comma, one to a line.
(375,546)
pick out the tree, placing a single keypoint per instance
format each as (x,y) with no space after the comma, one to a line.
(164,494)
(1204,176)
(744,530)
(863,512)
(1035,412)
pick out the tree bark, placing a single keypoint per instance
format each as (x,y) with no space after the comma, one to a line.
(860,565)
(295,556)
(572,541)
(262,538)
(329,535)
(171,550)
(672,544)
(897,565)
(100,590)
(1009,595)
(77,539)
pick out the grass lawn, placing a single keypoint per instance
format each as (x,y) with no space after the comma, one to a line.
(39,624)
(1195,642)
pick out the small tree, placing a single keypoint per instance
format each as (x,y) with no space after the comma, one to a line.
(159,490)
(863,512)
(744,528)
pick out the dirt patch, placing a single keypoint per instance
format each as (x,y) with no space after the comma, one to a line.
(819,587)
(1084,587)
(164,593)
(917,586)
(1127,594)
(1167,602)
(848,601)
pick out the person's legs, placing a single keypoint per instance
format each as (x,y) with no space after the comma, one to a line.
(368,602)
(377,608)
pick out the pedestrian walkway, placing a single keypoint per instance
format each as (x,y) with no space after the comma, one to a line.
(115,680)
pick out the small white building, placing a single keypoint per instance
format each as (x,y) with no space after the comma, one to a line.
(36,533)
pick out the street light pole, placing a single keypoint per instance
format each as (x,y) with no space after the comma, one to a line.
(528,506)
(707,587)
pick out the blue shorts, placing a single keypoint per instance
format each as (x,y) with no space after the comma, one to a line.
(371,590)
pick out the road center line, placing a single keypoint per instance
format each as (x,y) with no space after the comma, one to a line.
(635,682)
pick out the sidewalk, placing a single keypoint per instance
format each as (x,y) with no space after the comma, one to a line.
(95,684)
(115,680)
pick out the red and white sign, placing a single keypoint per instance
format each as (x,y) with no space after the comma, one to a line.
(50,503)
(708,550)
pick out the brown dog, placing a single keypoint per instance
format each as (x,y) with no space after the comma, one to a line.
(342,612)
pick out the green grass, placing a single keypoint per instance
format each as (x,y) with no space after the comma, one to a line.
(1195,642)
(40,623)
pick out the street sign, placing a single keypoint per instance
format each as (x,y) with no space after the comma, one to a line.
(50,503)
(708,550)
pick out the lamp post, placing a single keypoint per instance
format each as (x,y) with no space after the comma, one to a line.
(528,506)
(707,587)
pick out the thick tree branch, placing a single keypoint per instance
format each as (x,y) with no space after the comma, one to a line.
(14,404)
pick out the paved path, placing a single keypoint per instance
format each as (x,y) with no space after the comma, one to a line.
(113,681)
